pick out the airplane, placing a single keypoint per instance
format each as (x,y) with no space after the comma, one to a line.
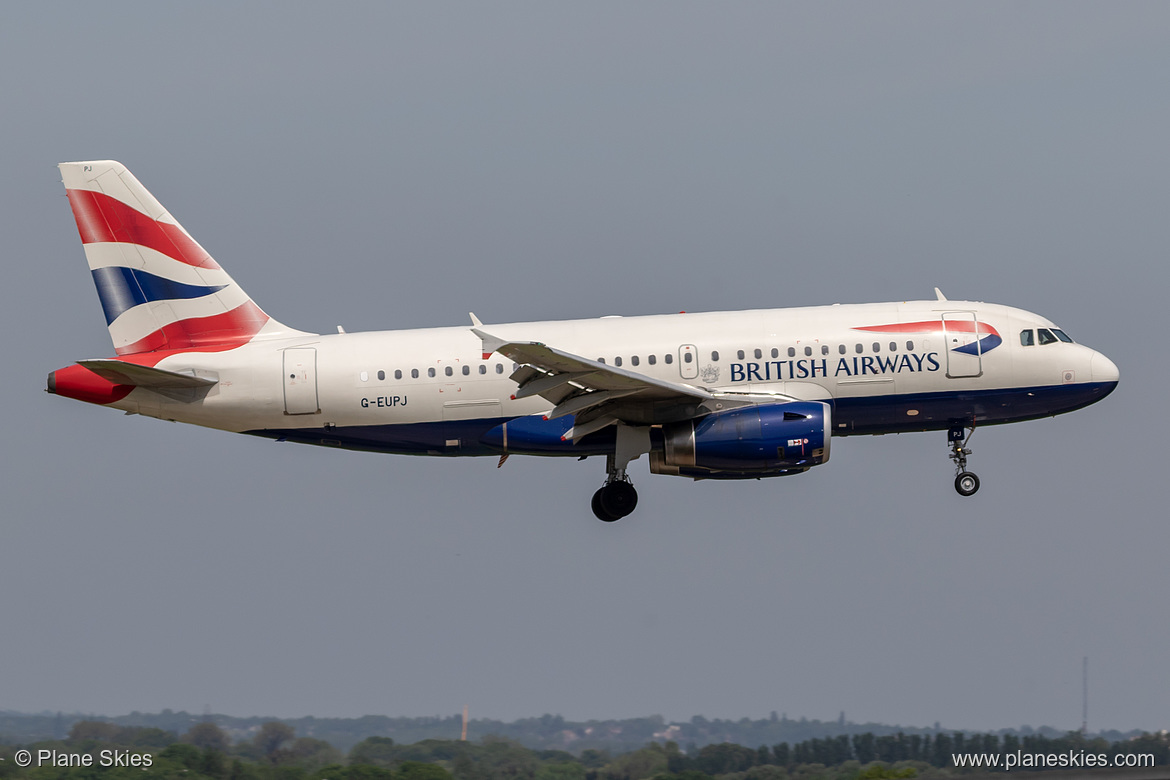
(715,395)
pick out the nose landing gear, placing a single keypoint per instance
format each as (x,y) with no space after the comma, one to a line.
(966,483)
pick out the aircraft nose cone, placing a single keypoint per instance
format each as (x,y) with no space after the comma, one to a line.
(1103,369)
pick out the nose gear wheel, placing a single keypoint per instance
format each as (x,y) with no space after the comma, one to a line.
(966,483)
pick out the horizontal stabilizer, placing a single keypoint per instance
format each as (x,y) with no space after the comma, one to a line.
(122,373)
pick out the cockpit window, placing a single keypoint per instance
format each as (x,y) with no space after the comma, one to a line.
(1046,336)
(1060,334)
(1027,338)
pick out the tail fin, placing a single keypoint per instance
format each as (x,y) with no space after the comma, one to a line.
(159,289)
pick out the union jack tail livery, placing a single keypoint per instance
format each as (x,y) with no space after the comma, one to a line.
(159,289)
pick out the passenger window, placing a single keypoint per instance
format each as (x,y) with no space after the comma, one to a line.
(841,349)
(893,346)
(758,353)
(910,346)
(466,370)
(877,347)
(792,352)
(1046,336)
(687,357)
(1027,339)
(653,359)
(738,354)
(499,368)
(669,358)
(715,355)
(617,361)
(381,376)
(600,360)
(398,373)
(775,352)
(448,371)
(824,349)
(482,368)
(365,376)
(431,372)
(633,360)
(1060,334)
(808,351)
(414,373)
(858,349)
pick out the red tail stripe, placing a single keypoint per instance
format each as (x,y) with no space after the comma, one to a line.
(80,383)
(203,334)
(101,218)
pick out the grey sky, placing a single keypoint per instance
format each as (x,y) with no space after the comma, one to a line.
(390,166)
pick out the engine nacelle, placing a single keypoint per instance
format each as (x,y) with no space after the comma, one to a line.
(747,443)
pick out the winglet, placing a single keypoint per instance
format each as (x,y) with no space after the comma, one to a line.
(490,343)
(474,320)
(938,292)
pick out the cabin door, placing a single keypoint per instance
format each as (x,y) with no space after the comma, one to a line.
(300,381)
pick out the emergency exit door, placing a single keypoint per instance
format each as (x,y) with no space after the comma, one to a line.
(300,381)
(688,361)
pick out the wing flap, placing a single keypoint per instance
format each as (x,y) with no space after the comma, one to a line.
(580,403)
(579,431)
(541,384)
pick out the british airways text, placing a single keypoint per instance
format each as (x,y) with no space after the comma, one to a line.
(858,365)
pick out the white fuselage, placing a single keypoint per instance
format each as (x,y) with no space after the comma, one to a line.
(431,391)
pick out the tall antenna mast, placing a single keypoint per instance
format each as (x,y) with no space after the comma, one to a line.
(463,738)
(1085,697)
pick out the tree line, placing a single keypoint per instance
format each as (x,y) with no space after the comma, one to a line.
(539,733)
(273,751)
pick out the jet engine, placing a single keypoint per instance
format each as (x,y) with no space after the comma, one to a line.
(746,443)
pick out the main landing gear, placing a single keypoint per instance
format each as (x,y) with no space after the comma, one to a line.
(966,483)
(617,497)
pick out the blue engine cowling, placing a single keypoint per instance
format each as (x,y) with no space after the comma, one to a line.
(747,443)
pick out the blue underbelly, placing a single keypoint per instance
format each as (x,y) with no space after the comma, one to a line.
(851,417)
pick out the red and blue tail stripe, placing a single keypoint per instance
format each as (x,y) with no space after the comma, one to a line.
(121,289)
(159,289)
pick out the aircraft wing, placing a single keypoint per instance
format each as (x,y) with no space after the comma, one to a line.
(598,394)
